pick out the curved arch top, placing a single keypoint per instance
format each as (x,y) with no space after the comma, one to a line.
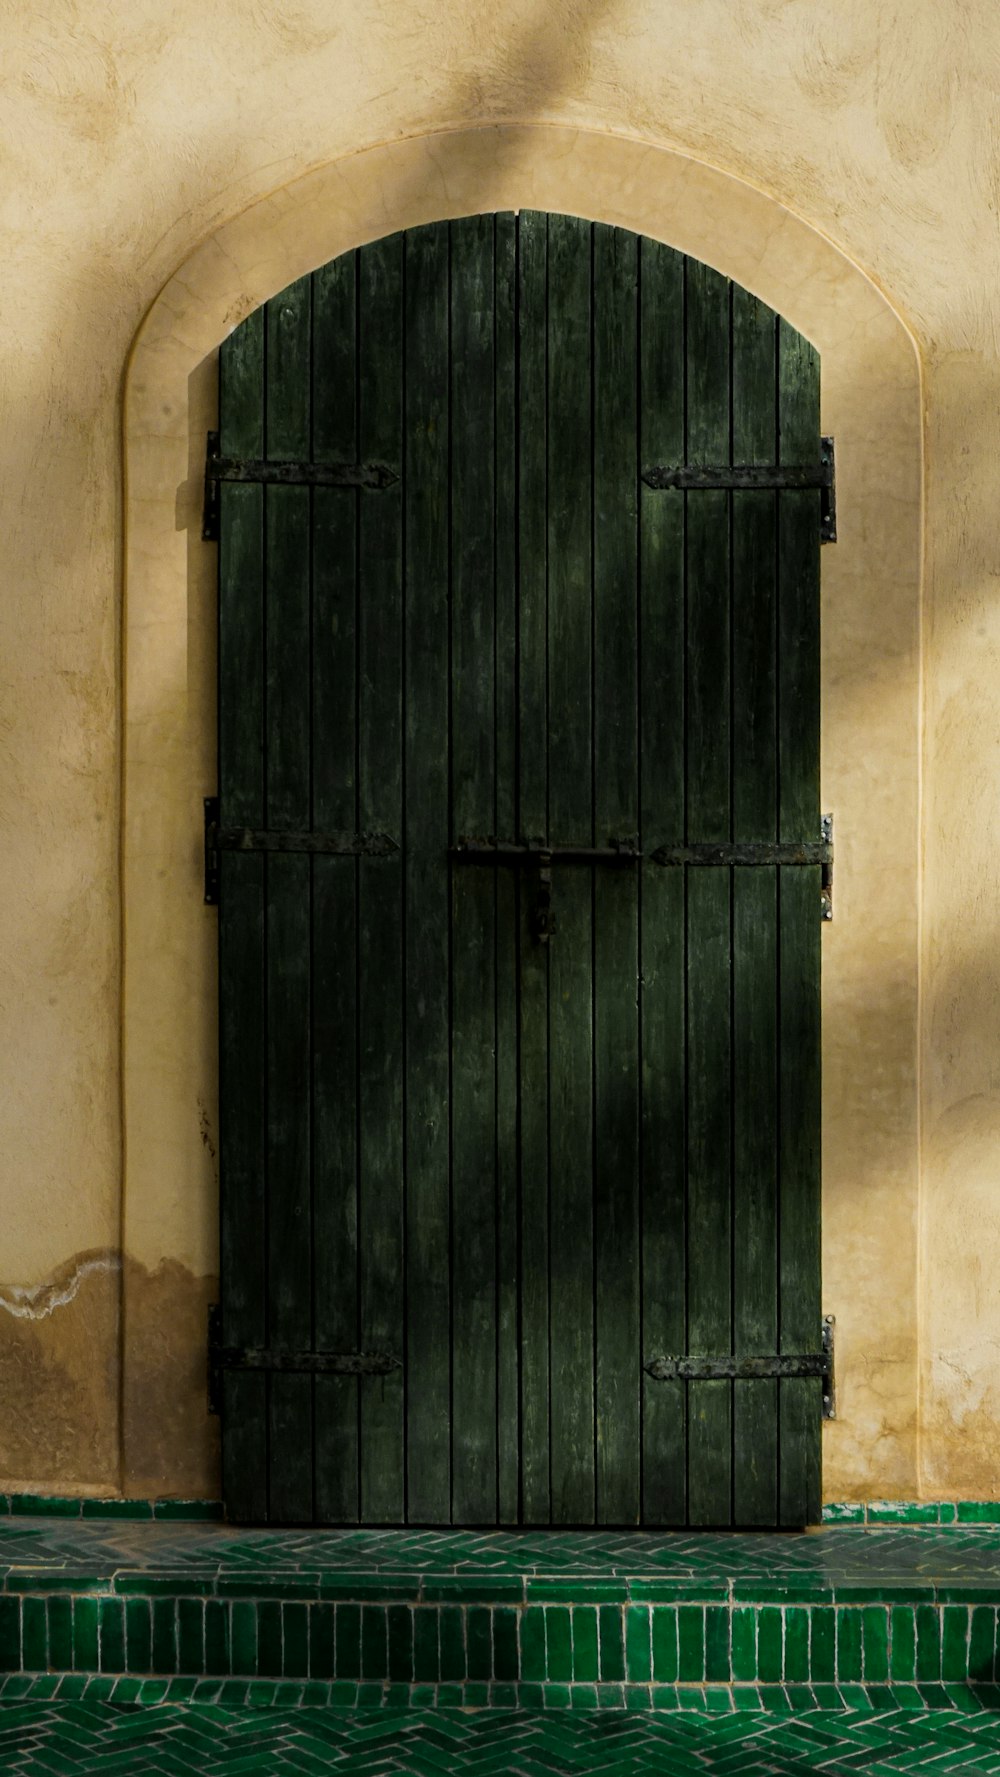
(870,401)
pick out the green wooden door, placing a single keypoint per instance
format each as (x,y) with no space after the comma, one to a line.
(504,1122)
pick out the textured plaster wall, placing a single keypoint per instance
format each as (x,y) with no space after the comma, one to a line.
(141,146)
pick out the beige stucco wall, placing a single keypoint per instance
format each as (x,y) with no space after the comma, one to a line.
(163,173)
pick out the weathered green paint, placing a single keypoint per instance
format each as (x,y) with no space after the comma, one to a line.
(522,1168)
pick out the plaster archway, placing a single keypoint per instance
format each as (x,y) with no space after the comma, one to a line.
(871,742)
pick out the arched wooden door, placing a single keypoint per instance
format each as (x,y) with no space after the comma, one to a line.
(519,957)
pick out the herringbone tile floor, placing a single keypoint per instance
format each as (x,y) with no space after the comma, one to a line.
(104,1738)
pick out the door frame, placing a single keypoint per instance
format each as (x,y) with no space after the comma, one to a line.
(871,402)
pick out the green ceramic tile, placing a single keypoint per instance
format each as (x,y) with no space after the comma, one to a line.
(903,1660)
(260,1694)
(44,1505)
(665,1653)
(756,1592)
(10,1634)
(901,1511)
(218,1659)
(827,1695)
(85,1634)
(111,1634)
(60,1633)
(568,1591)
(193,1509)
(744,1643)
(822,1646)
(638,1645)
(558,1643)
(928,1644)
(34,1650)
(955,1643)
(426,1667)
(532,1638)
(503,1696)
(717,1659)
(479,1642)
(164,1635)
(691,1643)
(769,1645)
(849,1668)
(456,1589)
(875,1644)
(166,1585)
(637,1696)
(362,1589)
(295,1640)
(532,1696)
(450,1696)
(978,1511)
(797,1646)
(451,1632)
(558,1696)
(934,1696)
(838,1512)
(663,1696)
(269,1638)
(117,1508)
(374,1642)
(505,1662)
(746,1697)
(319,1628)
(243,1638)
(982,1645)
(191,1635)
(584,1644)
(46,1581)
(126,1690)
(348,1644)
(611,1638)
(948,1514)
(343,1694)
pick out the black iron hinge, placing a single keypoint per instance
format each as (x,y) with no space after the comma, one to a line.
(273,1358)
(337,845)
(788,476)
(753,1369)
(219,468)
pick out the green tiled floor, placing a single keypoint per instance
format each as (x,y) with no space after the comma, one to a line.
(85,1737)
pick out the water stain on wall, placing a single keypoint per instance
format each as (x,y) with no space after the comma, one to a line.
(59,1377)
(170,1442)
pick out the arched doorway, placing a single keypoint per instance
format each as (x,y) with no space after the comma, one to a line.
(519,730)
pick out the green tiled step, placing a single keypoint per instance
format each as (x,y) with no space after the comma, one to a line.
(188,1633)
(601,1618)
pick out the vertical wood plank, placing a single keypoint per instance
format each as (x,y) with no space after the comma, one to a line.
(473,890)
(334,926)
(243,1222)
(380,977)
(661,729)
(755,1233)
(505,593)
(428,1278)
(708,900)
(532,696)
(289,1036)
(570,666)
(800,929)
(618,1367)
